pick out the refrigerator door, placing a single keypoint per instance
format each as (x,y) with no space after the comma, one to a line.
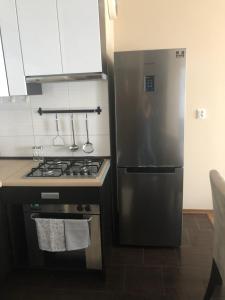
(150,206)
(150,96)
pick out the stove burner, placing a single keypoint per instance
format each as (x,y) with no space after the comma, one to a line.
(84,169)
(56,162)
(48,172)
(81,167)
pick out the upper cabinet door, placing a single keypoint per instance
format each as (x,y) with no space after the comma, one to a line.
(80,35)
(39,34)
(4,91)
(11,51)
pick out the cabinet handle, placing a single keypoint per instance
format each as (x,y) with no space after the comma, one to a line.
(49,195)
(151,170)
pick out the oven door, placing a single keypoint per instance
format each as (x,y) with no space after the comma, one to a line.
(89,258)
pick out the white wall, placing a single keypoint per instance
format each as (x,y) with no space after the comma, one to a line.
(21,127)
(198,26)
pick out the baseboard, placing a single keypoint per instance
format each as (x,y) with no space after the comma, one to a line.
(208,212)
(197,211)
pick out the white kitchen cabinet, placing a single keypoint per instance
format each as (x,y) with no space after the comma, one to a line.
(12,79)
(39,34)
(60,36)
(79,29)
(4,90)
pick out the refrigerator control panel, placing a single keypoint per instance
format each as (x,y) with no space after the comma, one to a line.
(149,81)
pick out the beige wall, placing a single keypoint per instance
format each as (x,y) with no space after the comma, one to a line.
(199,26)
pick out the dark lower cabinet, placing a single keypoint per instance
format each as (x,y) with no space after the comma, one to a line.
(16,197)
(5,247)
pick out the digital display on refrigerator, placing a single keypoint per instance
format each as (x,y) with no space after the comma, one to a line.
(149,83)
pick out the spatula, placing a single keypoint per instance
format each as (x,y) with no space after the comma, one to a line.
(58,140)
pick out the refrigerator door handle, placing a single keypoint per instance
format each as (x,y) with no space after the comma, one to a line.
(151,170)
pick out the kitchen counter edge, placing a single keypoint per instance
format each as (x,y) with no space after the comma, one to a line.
(22,167)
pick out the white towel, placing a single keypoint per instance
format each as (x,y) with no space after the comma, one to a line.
(51,236)
(77,234)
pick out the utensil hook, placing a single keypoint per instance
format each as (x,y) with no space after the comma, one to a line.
(57,123)
(86,121)
(72,120)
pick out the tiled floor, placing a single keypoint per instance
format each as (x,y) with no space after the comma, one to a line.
(132,273)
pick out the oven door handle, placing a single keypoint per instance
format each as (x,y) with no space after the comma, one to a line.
(34,216)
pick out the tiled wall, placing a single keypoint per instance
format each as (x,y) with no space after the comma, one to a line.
(21,127)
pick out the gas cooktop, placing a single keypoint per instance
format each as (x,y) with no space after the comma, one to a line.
(68,168)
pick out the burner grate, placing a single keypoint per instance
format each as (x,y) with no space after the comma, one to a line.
(67,168)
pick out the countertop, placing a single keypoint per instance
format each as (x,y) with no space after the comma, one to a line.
(8,167)
(12,173)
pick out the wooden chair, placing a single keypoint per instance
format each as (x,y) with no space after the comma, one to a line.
(217,275)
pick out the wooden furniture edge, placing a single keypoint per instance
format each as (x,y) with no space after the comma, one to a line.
(208,212)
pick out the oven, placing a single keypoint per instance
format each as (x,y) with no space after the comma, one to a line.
(89,258)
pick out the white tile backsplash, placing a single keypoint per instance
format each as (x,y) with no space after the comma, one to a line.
(46,124)
(100,143)
(15,120)
(16,145)
(97,124)
(21,127)
(50,150)
(55,95)
(85,94)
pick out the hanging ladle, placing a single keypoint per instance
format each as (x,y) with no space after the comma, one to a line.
(87,147)
(74,146)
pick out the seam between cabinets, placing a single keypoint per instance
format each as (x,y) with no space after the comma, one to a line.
(60,44)
(18,26)
(4,62)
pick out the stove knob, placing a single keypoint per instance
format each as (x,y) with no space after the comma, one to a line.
(87,207)
(79,207)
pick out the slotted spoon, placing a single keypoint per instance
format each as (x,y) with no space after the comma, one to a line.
(87,147)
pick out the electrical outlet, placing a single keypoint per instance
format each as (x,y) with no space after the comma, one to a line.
(201,113)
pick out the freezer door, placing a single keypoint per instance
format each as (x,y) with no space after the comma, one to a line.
(150,92)
(150,206)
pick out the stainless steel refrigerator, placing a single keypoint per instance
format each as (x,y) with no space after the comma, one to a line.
(149,117)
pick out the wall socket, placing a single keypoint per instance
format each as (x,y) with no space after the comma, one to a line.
(200,113)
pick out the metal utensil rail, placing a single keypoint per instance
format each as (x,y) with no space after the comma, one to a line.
(41,111)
